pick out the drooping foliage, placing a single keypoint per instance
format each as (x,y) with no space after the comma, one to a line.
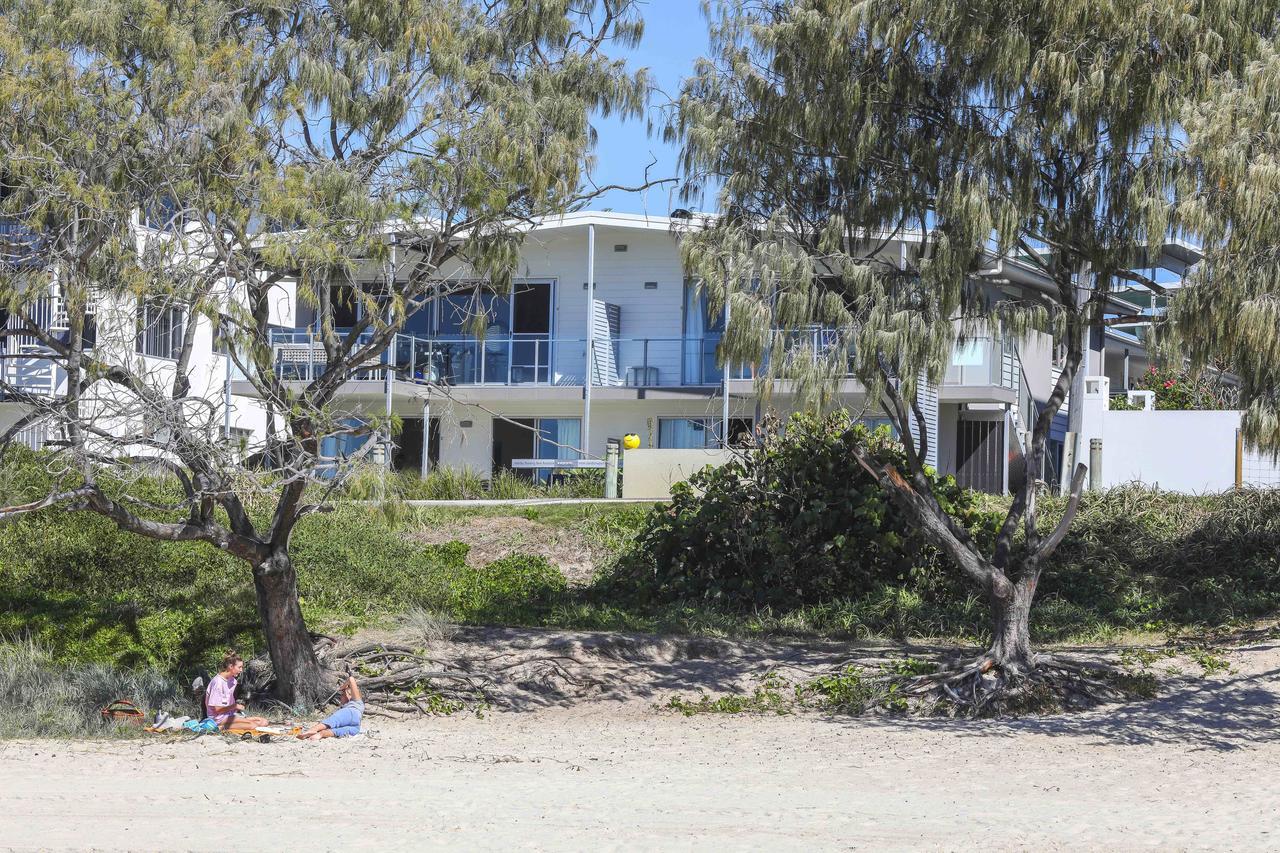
(1230,311)
(168,162)
(1019,158)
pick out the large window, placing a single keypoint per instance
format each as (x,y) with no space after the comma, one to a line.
(160,330)
(702,332)
(701,433)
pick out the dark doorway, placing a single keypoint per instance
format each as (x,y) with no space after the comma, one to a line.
(512,440)
(980,455)
(407,455)
(531,313)
(342,306)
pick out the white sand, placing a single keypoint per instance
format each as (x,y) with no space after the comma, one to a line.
(1198,768)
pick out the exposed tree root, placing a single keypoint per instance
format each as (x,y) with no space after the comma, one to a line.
(982,687)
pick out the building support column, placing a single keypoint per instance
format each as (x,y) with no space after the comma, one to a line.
(591,342)
(724,372)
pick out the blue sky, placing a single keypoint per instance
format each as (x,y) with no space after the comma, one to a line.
(675,34)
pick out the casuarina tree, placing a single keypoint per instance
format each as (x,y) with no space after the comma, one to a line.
(976,134)
(1229,312)
(173,165)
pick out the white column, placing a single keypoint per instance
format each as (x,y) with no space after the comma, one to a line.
(724,371)
(591,340)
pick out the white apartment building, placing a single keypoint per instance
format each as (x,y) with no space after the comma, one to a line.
(612,284)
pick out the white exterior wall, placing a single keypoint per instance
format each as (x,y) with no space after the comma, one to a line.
(1190,452)
(561,256)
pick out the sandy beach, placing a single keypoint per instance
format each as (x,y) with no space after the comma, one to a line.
(1197,768)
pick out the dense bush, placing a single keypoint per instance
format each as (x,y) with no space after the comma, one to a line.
(1147,560)
(793,521)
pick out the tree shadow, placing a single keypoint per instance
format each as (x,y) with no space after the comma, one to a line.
(1219,714)
(540,668)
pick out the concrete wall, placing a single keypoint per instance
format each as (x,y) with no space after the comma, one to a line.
(1191,452)
(649,474)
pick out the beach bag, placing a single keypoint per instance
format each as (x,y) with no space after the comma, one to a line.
(123,711)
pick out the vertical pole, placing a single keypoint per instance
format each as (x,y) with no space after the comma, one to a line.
(426,438)
(1068,461)
(1126,370)
(1239,459)
(724,375)
(389,367)
(611,469)
(226,399)
(591,340)
(1075,414)
(1095,464)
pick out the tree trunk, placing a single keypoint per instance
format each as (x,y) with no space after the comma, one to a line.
(1011,629)
(298,675)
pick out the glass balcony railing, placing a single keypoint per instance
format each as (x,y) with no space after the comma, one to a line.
(523,360)
(982,361)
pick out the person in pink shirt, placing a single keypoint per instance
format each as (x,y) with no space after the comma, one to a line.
(220,698)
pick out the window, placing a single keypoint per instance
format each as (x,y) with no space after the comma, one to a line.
(558,438)
(686,433)
(160,330)
(702,331)
(701,433)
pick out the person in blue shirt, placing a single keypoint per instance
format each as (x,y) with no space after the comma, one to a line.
(343,722)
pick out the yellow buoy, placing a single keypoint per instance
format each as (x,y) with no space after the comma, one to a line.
(631,441)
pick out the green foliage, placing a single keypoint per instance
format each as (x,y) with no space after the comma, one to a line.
(513,590)
(464,484)
(1229,314)
(1182,390)
(1018,124)
(853,690)
(767,698)
(789,523)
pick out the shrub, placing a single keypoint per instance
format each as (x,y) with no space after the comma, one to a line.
(515,589)
(794,521)
(1180,390)
(41,696)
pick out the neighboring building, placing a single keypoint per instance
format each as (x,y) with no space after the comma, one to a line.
(654,371)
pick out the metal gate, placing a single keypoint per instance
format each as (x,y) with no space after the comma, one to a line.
(980,455)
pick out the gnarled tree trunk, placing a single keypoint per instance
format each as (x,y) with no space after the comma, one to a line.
(298,674)
(1011,627)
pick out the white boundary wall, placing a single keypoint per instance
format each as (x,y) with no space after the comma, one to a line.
(1190,452)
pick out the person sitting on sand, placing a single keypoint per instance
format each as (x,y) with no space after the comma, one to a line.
(343,722)
(220,698)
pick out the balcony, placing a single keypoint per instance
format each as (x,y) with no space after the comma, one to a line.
(983,368)
(983,363)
